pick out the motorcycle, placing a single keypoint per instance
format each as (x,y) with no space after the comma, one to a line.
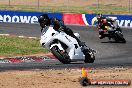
(64,47)
(115,33)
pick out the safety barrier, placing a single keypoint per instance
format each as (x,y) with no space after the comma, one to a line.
(24,17)
(68,18)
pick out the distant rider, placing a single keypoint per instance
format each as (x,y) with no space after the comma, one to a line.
(104,24)
(57,24)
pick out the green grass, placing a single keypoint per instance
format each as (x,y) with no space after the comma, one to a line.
(104,9)
(109,9)
(12,46)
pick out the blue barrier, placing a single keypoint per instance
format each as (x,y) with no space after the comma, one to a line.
(123,20)
(24,17)
(32,17)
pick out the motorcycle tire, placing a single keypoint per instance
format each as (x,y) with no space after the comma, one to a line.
(63,58)
(88,58)
(119,37)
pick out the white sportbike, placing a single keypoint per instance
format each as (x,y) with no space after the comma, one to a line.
(64,47)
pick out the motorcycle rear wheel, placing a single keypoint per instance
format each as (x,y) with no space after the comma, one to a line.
(120,38)
(62,57)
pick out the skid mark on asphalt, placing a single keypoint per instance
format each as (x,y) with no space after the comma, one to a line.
(21,59)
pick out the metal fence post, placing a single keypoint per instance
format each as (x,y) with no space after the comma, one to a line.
(97,6)
(67,5)
(129,6)
(9,2)
(38,4)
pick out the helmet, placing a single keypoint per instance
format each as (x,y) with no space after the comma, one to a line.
(99,16)
(43,19)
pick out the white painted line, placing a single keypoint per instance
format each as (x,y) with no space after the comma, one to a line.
(21,36)
(32,37)
(4,34)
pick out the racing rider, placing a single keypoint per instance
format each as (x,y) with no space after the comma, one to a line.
(102,24)
(58,25)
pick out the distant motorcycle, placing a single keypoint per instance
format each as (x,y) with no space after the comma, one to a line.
(116,33)
(64,47)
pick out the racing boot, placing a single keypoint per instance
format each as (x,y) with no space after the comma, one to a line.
(81,44)
(101,36)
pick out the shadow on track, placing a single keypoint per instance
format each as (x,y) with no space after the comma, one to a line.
(113,42)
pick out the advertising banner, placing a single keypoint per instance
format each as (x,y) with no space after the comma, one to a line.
(90,19)
(24,17)
(68,18)
(123,20)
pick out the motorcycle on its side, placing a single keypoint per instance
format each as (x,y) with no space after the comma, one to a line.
(64,47)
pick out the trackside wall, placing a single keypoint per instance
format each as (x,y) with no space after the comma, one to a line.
(68,18)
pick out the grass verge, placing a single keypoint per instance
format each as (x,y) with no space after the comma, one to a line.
(70,9)
(13,46)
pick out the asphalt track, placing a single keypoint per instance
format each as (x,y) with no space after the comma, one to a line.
(109,54)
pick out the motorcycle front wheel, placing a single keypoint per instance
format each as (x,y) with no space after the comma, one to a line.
(89,58)
(119,37)
(63,57)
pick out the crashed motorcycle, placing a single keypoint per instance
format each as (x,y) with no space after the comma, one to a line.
(64,47)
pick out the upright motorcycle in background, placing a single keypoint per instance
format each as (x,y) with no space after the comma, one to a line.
(112,31)
(116,33)
(64,47)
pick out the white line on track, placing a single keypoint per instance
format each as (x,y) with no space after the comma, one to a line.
(18,36)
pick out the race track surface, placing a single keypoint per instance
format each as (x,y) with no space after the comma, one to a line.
(108,54)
